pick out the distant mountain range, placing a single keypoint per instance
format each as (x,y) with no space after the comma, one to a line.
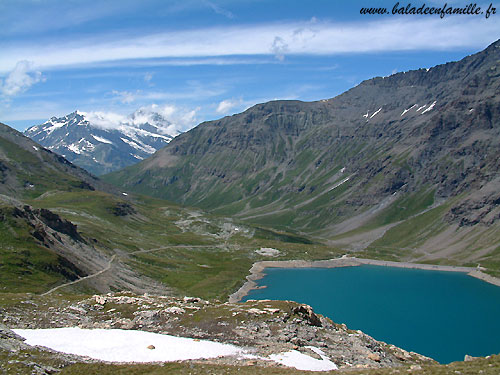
(405,163)
(100,147)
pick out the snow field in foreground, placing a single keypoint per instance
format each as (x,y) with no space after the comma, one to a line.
(117,345)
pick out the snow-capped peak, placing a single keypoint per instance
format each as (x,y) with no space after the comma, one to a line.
(102,141)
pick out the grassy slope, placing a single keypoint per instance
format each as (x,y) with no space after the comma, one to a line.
(25,264)
(314,207)
(195,253)
(28,172)
(190,251)
(32,170)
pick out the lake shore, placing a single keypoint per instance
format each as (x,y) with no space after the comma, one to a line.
(257,270)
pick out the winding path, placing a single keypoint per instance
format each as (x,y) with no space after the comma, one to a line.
(107,268)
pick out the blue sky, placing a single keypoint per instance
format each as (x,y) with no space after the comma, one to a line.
(197,60)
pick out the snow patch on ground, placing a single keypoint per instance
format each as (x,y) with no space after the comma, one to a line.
(117,345)
(133,132)
(376,112)
(74,148)
(302,361)
(409,109)
(268,252)
(430,107)
(52,125)
(141,147)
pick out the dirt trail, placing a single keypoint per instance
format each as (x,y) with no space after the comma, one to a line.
(111,260)
(107,268)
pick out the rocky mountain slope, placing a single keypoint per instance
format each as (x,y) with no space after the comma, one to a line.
(417,149)
(101,147)
(28,169)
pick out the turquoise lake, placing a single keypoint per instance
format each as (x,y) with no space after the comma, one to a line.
(443,315)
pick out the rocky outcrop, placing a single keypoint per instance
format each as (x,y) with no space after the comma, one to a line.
(41,219)
(478,209)
(55,222)
(307,313)
(10,341)
(122,209)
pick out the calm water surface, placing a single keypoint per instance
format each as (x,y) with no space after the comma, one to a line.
(443,315)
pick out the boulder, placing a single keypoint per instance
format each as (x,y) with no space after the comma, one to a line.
(307,313)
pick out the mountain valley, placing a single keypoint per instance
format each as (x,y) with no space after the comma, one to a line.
(400,168)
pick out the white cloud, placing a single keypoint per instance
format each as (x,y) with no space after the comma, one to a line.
(167,110)
(188,119)
(317,38)
(20,79)
(182,119)
(189,61)
(126,97)
(279,48)
(217,9)
(174,119)
(106,120)
(226,105)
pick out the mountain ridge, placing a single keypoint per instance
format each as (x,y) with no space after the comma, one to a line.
(425,140)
